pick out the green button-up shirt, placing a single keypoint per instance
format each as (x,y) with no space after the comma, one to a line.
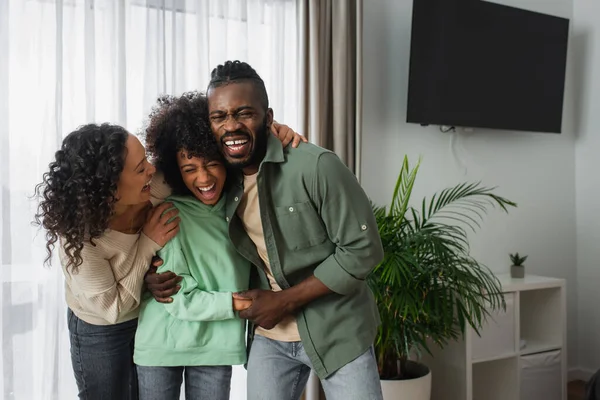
(316,220)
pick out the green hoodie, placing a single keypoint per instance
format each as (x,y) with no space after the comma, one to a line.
(199,327)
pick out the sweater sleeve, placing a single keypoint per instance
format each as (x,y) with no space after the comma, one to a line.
(191,303)
(100,292)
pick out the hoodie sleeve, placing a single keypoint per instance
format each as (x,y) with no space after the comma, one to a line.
(191,303)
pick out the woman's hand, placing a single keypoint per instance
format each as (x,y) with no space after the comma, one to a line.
(162,225)
(287,135)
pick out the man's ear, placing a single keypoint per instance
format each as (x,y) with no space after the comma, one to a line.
(269,117)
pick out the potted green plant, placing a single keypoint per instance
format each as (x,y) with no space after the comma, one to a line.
(517,269)
(428,288)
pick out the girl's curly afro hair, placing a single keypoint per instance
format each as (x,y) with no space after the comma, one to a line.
(77,194)
(176,124)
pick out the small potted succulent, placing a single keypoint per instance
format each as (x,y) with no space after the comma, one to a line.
(517,270)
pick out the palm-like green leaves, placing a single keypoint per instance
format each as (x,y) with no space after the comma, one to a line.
(428,288)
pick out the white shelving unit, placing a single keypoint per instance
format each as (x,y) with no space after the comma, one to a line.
(521,353)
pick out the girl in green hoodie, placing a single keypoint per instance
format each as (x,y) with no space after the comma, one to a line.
(198,335)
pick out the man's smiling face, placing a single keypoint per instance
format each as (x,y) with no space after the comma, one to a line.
(239,122)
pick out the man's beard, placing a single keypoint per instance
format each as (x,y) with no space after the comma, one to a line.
(259,149)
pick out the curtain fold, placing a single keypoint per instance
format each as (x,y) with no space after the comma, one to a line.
(330,81)
(66,63)
(90,60)
(330,52)
(5,238)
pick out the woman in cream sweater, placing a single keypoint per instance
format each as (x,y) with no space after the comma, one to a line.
(95,206)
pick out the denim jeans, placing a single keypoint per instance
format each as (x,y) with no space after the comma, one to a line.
(102,357)
(279,371)
(201,382)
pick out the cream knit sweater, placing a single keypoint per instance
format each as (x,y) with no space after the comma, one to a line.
(107,287)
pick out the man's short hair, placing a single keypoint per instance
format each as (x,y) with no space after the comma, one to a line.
(235,72)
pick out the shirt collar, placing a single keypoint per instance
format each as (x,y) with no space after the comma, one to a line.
(274,150)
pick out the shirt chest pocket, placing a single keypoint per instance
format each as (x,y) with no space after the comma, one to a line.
(300,225)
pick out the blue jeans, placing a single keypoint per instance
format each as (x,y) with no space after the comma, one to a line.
(279,371)
(201,382)
(102,357)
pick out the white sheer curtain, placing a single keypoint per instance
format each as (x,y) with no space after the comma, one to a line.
(68,62)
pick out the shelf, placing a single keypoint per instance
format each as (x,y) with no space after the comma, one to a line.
(495,358)
(497,333)
(492,366)
(530,282)
(534,347)
(541,322)
(496,380)
(541,376)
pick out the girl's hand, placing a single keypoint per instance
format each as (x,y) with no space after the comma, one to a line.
(241,304)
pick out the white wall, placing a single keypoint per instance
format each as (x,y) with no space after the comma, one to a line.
(535,170)
(586,67)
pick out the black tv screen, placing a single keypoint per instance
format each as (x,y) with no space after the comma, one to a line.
(475,63)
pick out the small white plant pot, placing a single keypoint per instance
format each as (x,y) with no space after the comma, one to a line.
(517,272)
(418,388)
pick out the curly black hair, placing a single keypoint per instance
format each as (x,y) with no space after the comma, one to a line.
(176,124)
(238,71)
(77,194)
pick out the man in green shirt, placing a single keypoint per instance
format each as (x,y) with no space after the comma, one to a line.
(302,218)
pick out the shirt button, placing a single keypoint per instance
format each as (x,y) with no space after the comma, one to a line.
(363,227)
(227,219)
(291,209)
(236,199)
